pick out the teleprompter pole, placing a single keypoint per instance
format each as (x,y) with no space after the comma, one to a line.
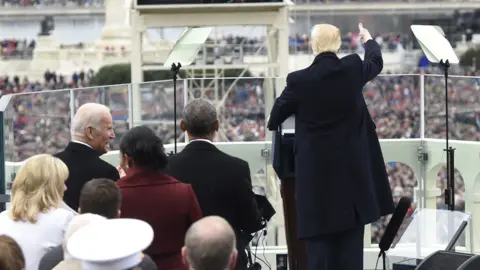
(175,69)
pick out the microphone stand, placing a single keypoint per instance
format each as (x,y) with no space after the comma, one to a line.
(175,69)
(450,190)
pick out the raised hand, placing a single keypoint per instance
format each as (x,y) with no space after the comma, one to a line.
(122,168)
(363,33)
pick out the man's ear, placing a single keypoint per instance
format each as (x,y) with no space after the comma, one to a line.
(233,259)
(182,126)
(184,256)
(89,132)
(119,213)
(79,210)
(216,125)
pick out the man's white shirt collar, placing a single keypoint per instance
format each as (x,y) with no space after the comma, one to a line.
(201,140)
(79,142)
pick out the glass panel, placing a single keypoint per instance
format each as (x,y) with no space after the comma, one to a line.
(240,103)
(391,29)
(38,123)
(157,108)
(8,129)
(276,235)
(41,123)
(464,100)
(115,97)
(394,104)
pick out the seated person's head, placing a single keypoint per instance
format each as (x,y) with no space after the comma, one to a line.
(76,224)
(93,125)
(210,244)
(140,147)
(11,255)
(38,186)
(200,119)
(102,197)
(112,244)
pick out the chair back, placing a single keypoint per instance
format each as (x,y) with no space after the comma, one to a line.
(444,260)
(471,264)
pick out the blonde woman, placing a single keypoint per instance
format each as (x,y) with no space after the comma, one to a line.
(35,218)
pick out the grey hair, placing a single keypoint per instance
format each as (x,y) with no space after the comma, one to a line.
(199,116)
(210,243)
(89,114)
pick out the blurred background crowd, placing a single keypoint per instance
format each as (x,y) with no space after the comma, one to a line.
(80,3)
(298,44)
(38,119)
(50,3)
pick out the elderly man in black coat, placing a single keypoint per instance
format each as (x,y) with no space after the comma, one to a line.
(341,180)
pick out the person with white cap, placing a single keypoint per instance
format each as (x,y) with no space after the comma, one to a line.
(114,244)
(76,224)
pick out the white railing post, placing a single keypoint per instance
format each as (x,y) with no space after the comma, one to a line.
(422,106)
(185,101)
(72,105)
(422,179)
(130,106)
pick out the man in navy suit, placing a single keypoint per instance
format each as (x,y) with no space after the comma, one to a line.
(341,181)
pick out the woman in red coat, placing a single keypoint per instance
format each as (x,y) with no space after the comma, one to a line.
(148,194)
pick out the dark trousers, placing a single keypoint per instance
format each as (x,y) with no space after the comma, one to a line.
(338,251)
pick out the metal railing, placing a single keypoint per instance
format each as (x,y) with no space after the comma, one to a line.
(408,111)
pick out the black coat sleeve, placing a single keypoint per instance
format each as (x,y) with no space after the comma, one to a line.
(285,106)
(113,173)
(372,61)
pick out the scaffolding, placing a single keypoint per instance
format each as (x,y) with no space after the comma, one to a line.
(272,15)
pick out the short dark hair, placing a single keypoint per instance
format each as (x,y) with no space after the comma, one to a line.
(11,257)
(199,117)
(145,148)
(100,196)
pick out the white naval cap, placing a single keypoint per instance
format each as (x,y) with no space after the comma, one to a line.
(114,244)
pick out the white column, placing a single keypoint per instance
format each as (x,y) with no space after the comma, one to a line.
(136,66)
(117,19)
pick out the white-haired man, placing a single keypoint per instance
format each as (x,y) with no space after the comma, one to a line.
(91,130)
(210,245)
(341,181)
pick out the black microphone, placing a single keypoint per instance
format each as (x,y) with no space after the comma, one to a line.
(393,226)
(255,266)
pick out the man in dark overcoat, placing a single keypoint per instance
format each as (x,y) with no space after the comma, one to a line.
(341,180)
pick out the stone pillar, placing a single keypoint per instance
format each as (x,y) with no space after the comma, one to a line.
(117,29)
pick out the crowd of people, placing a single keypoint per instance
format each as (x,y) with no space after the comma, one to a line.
(236,46)
(18,3)
(299,43)
(38,122)
(71,210)
(51,3)
(12,48)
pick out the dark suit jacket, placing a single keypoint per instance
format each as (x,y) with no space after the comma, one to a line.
(223,187)
(55,256)
(84,164)
(168,205)
(339,166)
